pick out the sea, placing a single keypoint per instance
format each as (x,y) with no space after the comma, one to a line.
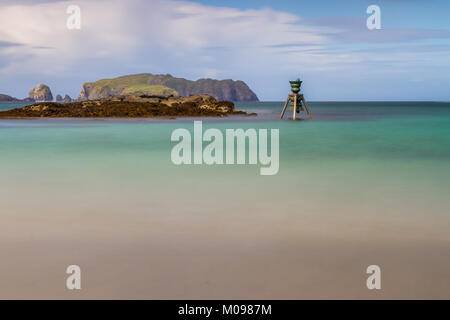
(361,184)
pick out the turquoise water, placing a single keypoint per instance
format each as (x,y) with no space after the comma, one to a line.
(373,175)
(379,141)
(12,105)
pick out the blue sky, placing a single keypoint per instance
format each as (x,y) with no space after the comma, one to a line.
(265,43)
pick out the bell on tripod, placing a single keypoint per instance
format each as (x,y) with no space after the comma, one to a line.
(295,100)
(299,106)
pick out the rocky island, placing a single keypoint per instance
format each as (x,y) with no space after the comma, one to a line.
(129,106)
(41,93)
(147,83)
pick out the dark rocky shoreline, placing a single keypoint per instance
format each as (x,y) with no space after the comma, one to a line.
(129,107)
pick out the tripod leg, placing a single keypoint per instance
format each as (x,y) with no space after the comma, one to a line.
(306,107)
(295,107)
(284,108)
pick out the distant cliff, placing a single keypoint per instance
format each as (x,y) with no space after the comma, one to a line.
(166,85)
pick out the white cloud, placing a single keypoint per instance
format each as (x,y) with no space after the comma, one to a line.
(48,46)
(200,37)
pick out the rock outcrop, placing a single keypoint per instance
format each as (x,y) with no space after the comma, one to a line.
(128,106)
(166,85)
(66,98)
(41,93)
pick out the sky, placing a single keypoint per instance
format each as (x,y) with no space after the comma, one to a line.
(265,43)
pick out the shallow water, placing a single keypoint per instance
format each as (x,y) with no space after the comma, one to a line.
(361,184)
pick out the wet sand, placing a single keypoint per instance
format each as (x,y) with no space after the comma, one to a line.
(234,252)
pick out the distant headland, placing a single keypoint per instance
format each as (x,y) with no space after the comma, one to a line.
(6,98)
